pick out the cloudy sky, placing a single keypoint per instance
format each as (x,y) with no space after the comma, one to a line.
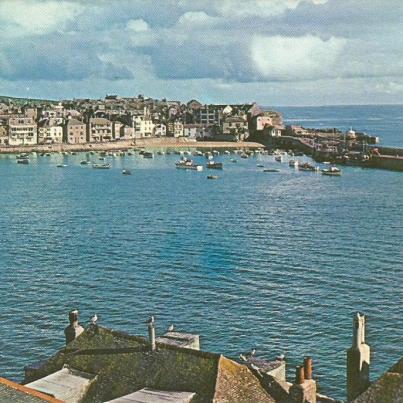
(275,52)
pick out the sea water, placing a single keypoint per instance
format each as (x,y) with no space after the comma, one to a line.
(279,262)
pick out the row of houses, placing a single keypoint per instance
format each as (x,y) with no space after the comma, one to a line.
(86,121)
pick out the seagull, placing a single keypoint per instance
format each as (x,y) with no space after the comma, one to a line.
(280,357)
(253,352)
(94,319)
(170,328)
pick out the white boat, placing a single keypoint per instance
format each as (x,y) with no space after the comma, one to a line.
(187,163)
(278,158)
(331,171)
(102,166)
(293,163)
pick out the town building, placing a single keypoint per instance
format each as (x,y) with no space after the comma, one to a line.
(160,130)
(100,130)
(50,134)
(234,128)
(22,131)
(143,126)
(3,135)
(75,132)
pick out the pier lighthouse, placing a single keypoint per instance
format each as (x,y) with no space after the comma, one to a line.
(358,356)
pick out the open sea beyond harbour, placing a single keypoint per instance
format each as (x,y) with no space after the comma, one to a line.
(273,261)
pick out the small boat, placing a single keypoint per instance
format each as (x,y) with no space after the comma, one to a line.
(84,162)
(212,177)
(214,165)
(331,171)
(306,166)
(24,161)
(278,158)
(160,152)
(47,154)
(244,155)
(271,170)
(102,166)
(147,154)
(260,165)
(293,163)
(61,165)
(227,152)
(233,160)
(126,172)
(22,156)
(102,158)
(187,163)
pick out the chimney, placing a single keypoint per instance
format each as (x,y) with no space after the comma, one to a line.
(304,388)
(74,329)
(151,333)
(358,360)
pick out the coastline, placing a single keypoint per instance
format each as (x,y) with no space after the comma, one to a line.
(127,144)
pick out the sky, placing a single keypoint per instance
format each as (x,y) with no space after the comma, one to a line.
(274,52)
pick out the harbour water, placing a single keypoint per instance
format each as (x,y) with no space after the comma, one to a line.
(273,261)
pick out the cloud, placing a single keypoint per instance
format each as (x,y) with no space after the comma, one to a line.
(214,49)
(26,17)
(193,19)
(260,8)
(138,25)
(52,58)
(295,58)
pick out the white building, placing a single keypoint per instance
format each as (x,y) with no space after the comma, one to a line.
(160,130)
(50,134)
(22,131)
(143,127)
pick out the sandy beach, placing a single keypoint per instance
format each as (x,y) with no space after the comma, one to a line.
(127,144)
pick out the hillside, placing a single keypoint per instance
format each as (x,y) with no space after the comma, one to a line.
(23,101)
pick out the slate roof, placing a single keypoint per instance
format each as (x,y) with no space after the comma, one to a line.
(74,122)
(387,389)
(124,364)
(13,392)
(155,396)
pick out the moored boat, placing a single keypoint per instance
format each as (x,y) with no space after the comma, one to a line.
(102,166)
(306,166)
(331,171)
(24,161)
(293,163)
(148,154)
(214,165)
(212,177)
(187,163)
(126,172)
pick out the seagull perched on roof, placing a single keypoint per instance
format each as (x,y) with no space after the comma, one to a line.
(93,320)
(170,328)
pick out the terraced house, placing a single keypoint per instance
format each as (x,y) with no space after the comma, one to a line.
(75,132)
(100,130)
(22,131)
